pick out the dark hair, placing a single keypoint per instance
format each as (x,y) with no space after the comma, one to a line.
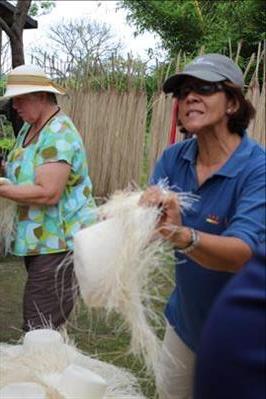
(239,120)
(51,97)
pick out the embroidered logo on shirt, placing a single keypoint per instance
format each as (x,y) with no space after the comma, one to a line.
(213,219)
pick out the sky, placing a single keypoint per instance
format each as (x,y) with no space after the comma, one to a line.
(101,11)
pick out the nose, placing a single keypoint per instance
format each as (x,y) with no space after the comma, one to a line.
(191,97)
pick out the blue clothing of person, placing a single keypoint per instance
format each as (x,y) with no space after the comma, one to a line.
(231,203)
(232,355)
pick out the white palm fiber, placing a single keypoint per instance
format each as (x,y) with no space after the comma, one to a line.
(8,210)
(114,262)
(43,364)
(24,390)
(77,382)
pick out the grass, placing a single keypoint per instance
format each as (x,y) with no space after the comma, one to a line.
(91,332)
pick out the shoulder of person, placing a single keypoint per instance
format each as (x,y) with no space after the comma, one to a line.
(257,154)
(179,148)
(62,123)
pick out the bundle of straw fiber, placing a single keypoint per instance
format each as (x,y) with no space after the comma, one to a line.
(114,262)
(7,218)
(23,390)
(48,358)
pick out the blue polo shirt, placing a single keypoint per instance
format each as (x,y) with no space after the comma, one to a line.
(231,203)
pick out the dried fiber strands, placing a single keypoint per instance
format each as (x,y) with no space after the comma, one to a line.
(253,95)
(7,218)
(259,123)
(115,260)
(124,133)
(62,370)
(23,390)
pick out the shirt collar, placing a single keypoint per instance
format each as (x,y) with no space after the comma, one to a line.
(233,165)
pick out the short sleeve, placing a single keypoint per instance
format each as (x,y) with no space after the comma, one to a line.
(248,221)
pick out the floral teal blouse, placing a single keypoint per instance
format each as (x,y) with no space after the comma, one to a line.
(43,229)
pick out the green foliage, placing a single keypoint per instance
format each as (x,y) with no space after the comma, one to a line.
(38,8)
(6,144)
(114,72)
(2,85)
(190,24)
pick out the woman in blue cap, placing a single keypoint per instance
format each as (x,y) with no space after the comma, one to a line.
(223,231)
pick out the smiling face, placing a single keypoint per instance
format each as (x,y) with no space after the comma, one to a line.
(29,106)
(203,112)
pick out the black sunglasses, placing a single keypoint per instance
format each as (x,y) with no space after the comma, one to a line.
(205,89)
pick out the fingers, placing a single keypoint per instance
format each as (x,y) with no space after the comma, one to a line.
(153,196)
(169,205)
(169,232)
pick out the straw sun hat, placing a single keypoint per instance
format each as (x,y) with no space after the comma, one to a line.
(26,79)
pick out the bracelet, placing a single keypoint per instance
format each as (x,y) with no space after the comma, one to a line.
(193,243)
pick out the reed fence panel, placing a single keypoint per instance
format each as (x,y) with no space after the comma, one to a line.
(112,126)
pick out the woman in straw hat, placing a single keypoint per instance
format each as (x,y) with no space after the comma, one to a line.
(224,231)
(50,184)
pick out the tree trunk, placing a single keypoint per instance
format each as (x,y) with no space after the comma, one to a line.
(15,34)
(17,52)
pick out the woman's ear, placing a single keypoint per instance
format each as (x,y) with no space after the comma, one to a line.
(232,106)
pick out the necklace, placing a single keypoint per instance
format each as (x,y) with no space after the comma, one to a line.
(25,144)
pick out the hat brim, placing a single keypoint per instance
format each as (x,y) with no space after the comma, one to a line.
(19,91)
(173,83)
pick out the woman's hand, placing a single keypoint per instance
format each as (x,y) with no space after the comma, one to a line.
(169,221)
(212,252)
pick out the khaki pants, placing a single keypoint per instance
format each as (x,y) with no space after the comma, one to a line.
(175,373)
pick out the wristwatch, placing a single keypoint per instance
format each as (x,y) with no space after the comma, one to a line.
(194,241)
